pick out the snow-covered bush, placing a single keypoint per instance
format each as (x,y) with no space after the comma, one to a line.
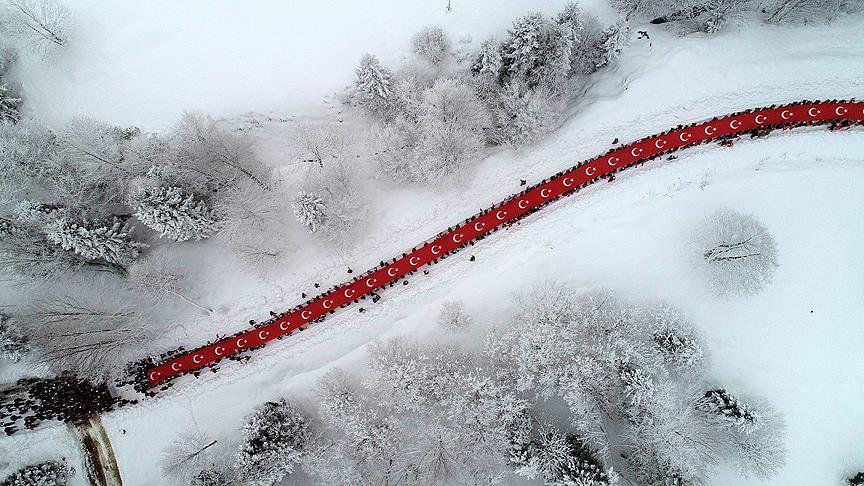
(175,214)
(431,44)
(52,473)
(40,25)
(274,439)
(310,210)
(373,87)
(108,241)
(735,252)
(453,316)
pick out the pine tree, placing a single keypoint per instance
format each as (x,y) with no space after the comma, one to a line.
(310,210)
(210,477)
(732,410)
(537,52)
(13,344)
(9,104)
(679,350)
(108,241)
(174,214)
(615,38)
(374,86)
(274,438)
(52,473)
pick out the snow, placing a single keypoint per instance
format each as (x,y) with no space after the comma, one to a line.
(797,343)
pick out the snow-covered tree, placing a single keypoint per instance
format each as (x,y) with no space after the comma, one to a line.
(10,103)
(13,344)
(36,24)
(609,361)
(93,340)
(174,213)
(205,155)
(322,144)
(537,52)
(487,66)
(560,460)
(431,44)
(27,252)
(26,153)
(274,439)
(211,477)
(453,316)
(310,210)
(373,87)
(188,456)
(524,114)
(452,121)
(808,11)
(733,411)
(614,39)
(153,277)
(735,252)
(51,473)
(108,241)
(587,39)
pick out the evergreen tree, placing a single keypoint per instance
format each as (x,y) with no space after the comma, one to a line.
(274,438)
(13,344)
(9,104)
(733,411)
(210,477)
(52,473)
(374,86)
(537,52)
(614,40)
(310,210)
(174,214)
(108,241)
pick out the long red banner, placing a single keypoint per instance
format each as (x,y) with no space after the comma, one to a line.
(519,205)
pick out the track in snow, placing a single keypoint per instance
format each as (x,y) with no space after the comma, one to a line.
(504,214)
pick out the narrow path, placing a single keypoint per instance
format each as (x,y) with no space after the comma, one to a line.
(757,122)
(102,468)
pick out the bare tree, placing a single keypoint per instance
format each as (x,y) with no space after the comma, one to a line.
(321,144)
(91,340)
(212,156)
(41,24)
(190,453)
(153,277)
(736,253)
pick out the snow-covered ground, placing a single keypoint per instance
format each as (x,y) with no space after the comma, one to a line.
(796,343)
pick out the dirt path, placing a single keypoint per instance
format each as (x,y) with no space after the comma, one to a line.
(102,469)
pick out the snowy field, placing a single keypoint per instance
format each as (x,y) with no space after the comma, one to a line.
(796,343)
